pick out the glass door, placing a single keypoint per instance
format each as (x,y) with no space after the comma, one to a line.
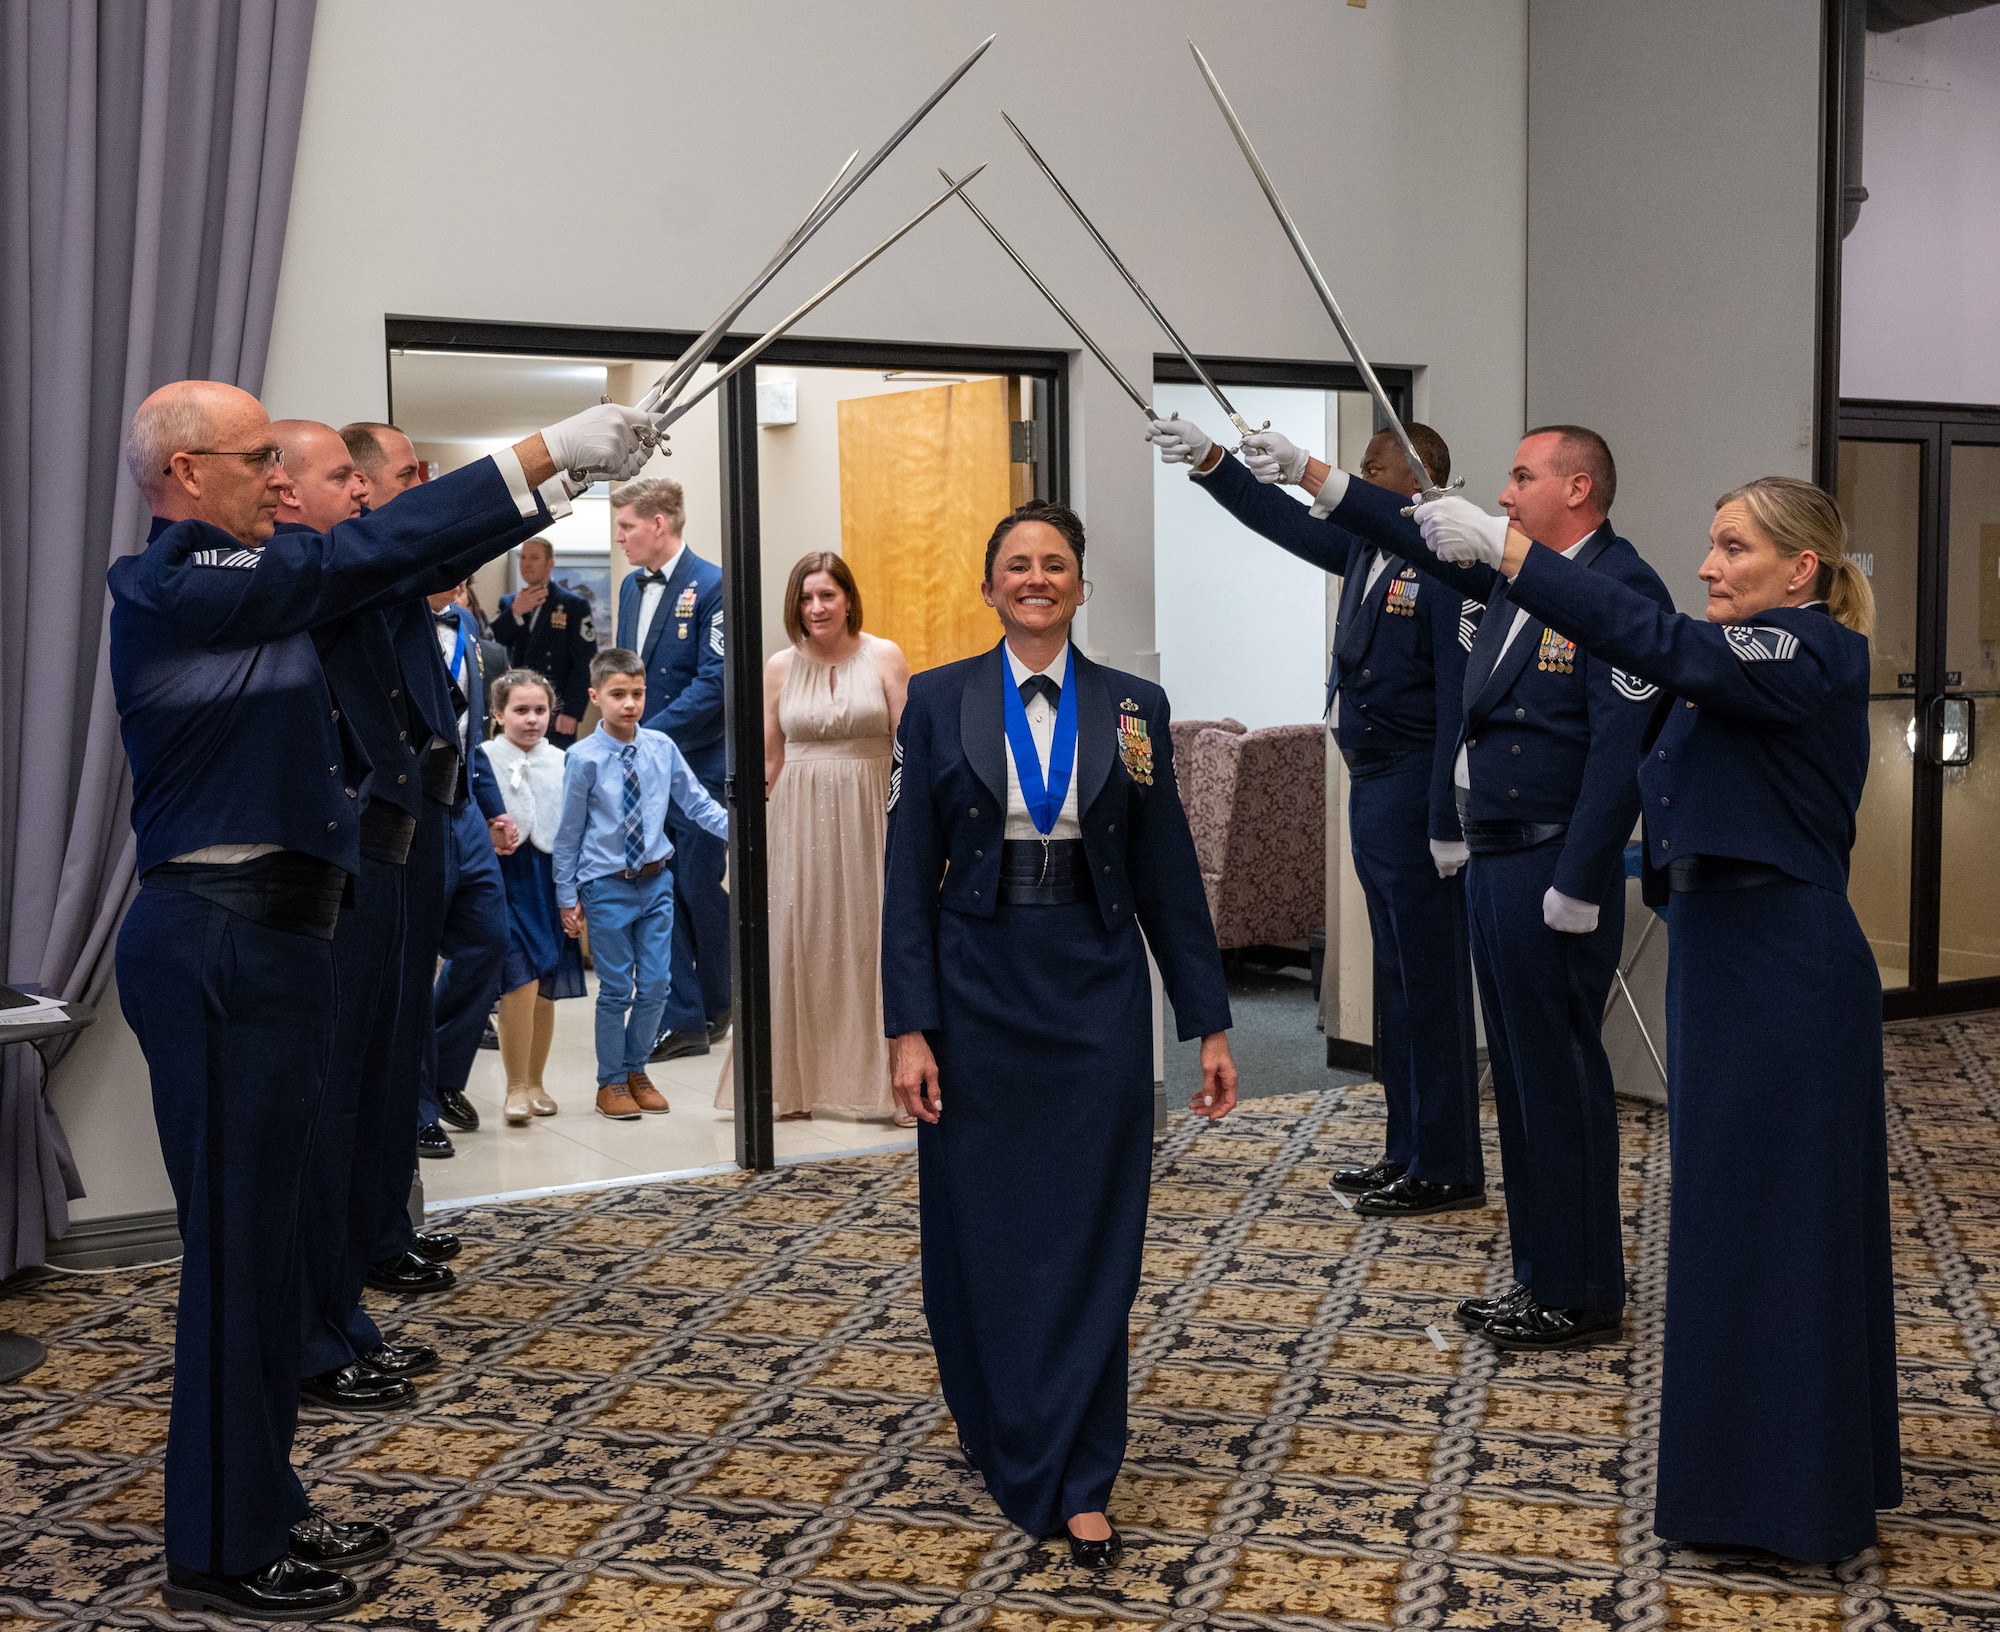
(1920,488)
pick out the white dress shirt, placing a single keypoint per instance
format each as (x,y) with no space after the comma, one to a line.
(650,596)
(468,665)
(1461,770)
(1042,727)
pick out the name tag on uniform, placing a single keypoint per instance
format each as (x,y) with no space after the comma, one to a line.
(1402,596)
(1557,656)
(684,607)
(1135,744)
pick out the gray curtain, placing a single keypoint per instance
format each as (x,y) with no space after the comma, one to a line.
(146,151)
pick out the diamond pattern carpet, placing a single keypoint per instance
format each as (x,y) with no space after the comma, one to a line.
(712,1404)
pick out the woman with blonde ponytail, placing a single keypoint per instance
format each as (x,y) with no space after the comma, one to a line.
(1778,1428)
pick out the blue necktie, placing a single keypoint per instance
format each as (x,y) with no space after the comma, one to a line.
(635,837)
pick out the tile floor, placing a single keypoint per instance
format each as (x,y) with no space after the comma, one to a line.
(577,1146)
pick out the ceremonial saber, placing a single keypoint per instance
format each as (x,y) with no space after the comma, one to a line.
(756,349)
(1048,294)
(1145,299)
(663,394)
(1420,471)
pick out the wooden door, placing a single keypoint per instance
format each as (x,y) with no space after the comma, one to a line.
(924,477)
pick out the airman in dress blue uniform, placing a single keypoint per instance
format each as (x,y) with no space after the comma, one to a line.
(1544,775)
(248,784)
(550,630)
(670,613)
(1398,649)
(1778,1425)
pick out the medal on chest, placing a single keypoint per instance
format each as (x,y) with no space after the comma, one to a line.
(684,609)
(558,620)
(1557,656)
(1402,596)
(1135,744)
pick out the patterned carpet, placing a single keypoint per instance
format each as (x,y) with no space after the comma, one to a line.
(711,1404)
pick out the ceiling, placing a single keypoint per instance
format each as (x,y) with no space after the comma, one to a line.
(1886,16)
(482,398)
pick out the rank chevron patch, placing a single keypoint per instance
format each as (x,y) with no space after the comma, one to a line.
(1631,687)
(1760,643)
(1469,613)
(895,772)
(225,558)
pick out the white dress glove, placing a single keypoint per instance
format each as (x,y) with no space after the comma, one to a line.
(1568,915)
(1180,441)
(1274,458)
(600,442)
(1457,530)
(1448,855)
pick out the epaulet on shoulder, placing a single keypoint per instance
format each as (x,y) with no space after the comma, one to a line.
(225,558)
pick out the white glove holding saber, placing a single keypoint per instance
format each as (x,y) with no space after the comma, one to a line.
(601,443)
(1458,531)
(1180,441)
(1274,457)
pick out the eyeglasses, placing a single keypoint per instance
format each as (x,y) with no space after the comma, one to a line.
(259,459)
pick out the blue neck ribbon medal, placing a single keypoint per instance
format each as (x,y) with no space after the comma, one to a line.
(1044,802)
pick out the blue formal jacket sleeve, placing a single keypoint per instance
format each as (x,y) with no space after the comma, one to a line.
(579,779)
(1377,515)
(696,714)
(1267,510)
(1168,894)
(1735,670)
(691,796)
(486,784)
(913,872)
(575,685)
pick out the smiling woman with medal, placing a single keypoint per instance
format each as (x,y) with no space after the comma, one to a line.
(1037,849)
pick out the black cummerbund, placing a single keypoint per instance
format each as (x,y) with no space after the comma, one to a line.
(1705,874)
(1033,874)
(1367,761)
(441,773)
(386,833)
(285,890)
(1486,838)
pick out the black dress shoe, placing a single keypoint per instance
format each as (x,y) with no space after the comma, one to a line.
(436,1245)
(456,1109)
(353,1387)
(316,1539)
(284,1591)
(1095,1555)
(678,1045)
(1358,1181)
(1476,1312)
(411,1275)
(965,1455)
(1535,1329)
(1412,1197)
(402,1359)
(490,1037)
(433,1141)
(718,1028)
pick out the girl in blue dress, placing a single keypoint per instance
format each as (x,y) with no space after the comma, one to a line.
(519,775)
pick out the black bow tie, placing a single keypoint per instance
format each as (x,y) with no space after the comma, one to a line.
(646,578)
(447,619)
(1040,685)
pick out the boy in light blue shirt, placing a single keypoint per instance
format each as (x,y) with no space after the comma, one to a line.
(611,857)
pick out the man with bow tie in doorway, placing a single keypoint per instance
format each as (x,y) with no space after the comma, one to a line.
(670,613)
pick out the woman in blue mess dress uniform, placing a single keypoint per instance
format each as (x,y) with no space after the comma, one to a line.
(1778,1428)
(1037,849)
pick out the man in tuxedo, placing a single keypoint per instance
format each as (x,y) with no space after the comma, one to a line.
(670,613)
(548,629)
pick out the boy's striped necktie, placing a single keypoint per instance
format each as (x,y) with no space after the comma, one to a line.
(635,838)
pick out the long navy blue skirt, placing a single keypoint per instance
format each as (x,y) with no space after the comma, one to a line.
(537,948)
(1778,1398)
(1033,1202)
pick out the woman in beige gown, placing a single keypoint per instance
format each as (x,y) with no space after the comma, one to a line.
(831,706)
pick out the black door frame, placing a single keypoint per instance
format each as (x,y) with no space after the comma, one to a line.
(742,592)
(1934,427)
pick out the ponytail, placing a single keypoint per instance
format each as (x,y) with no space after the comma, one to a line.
(1796,517)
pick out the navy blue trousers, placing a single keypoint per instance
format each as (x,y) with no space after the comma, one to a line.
(236,1023)
(1542,995)
(1778,1399)
(701,910)
(473,943)
(389,1149)
(1032,1200)
(1423,976)
(341,1187)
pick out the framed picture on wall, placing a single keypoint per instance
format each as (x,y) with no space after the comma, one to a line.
(590,576)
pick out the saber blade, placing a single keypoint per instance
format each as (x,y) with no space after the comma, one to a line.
(822,212)
(1418,469)
(757,348)
(1145,299)
(1048,294)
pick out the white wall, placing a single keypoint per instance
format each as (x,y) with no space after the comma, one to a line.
(1242,626)
(1919,317)
(1672,243)
(632,162)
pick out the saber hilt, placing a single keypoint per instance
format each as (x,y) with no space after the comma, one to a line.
(1430,490)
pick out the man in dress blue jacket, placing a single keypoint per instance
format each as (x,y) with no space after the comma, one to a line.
(548,629)
(1545,778)
(670,613)
(1399,648)
(247,789)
